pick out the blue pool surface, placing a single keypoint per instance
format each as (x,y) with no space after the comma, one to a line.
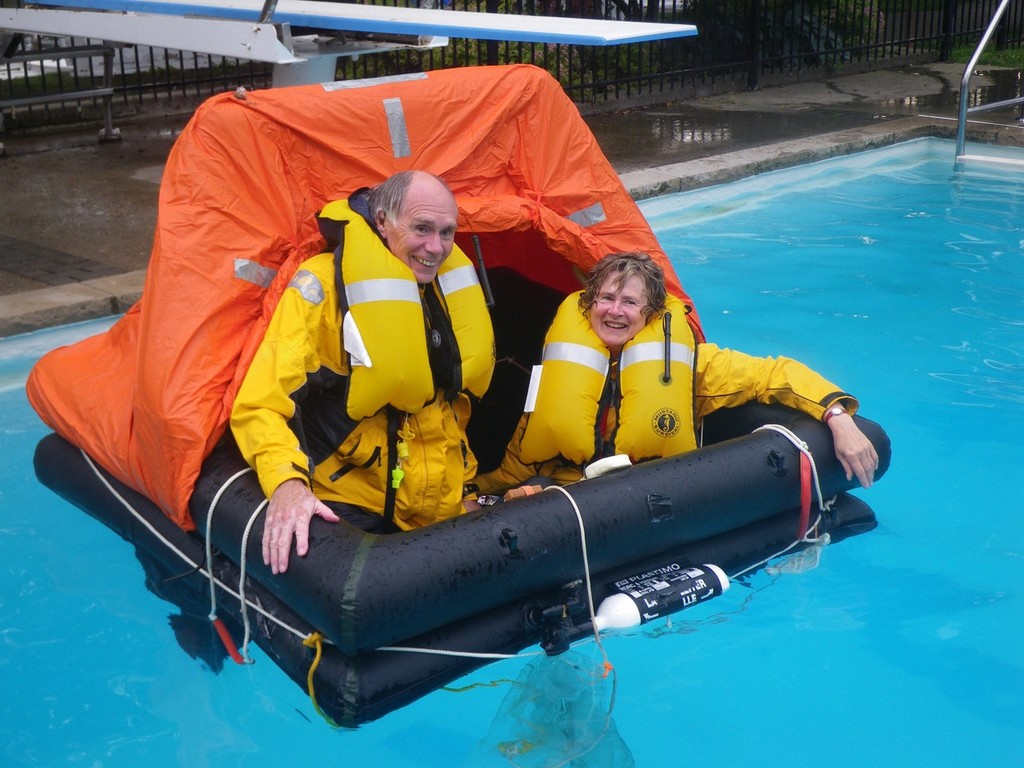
(893,275)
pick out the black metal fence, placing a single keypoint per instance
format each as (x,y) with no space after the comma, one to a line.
(741,44)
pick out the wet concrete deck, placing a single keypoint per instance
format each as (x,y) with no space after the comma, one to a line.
(77,216)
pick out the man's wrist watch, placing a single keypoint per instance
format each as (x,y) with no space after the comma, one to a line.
(835,410)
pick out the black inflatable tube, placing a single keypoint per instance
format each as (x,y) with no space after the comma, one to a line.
(379,682)
(356,689)
(365,591)
(350,690)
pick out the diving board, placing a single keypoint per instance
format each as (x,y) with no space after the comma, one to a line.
(417,22)
(323,30)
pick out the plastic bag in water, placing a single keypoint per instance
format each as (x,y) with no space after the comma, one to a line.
(805,560)
(558,713)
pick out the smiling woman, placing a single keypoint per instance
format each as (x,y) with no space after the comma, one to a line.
(612,367)
(621,296)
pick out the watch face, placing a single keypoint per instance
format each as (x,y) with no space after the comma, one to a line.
(487,500)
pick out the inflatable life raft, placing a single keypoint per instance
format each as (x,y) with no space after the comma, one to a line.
(384,619)
(139,413)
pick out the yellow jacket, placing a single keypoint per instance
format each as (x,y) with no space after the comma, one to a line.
(301,413)
(722,378)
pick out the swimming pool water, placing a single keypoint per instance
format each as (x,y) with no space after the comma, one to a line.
(894,276)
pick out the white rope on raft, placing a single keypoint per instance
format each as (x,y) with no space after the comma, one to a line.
(206,572)
(244,602)
(586,570)
(590,601)
(247,634)
(456,654)
(823,506)
(209,559)
(801,446)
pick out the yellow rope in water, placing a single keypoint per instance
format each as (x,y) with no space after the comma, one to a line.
(316,641)
(473,686)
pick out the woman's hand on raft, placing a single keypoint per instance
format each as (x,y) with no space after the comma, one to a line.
(292,507)
(854,451)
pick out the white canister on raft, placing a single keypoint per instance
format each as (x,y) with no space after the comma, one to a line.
(646,596)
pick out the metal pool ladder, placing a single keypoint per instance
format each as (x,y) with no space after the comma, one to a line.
(961,126)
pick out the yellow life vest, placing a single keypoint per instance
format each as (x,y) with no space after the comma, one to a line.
(382,296)
(471,322)
(655,417)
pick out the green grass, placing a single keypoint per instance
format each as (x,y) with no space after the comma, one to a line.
(1009,57)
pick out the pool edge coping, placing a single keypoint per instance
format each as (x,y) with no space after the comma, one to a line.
(732,166)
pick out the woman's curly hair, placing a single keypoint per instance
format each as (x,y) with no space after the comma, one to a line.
(620,267)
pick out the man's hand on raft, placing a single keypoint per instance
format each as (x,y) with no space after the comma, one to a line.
(854,451)
(292,507)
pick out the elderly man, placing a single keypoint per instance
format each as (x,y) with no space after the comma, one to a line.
(357,394)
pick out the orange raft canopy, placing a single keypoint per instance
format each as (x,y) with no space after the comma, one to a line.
(149,398)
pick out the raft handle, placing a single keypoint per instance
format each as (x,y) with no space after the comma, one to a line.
(508,540)
(777,463)
(659,507)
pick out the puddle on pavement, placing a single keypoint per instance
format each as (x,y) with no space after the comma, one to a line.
(643,137)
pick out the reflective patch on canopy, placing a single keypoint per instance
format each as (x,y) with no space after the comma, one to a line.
(342,85)
(576,353)
(250,271)
(397,127)
(383,289)
(589,216)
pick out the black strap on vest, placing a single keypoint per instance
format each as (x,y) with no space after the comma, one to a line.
(442,346)
(390,491)
(610,399)
(666,326)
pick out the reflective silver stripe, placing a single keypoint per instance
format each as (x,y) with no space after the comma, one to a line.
(397,128)
(655,350)
(381,289)
(589,216)
(567,352)
(370,82)
(250,271)
(457,279)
